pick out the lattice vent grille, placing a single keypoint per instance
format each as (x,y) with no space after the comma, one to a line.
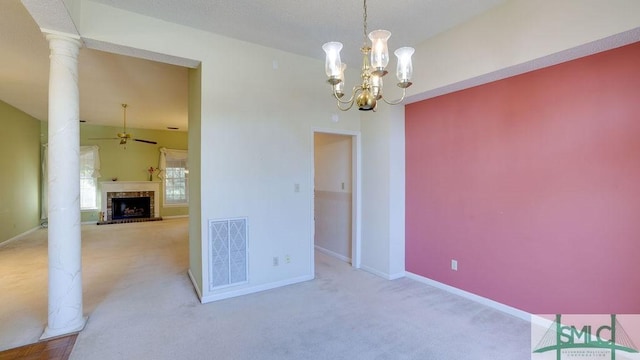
(228,263)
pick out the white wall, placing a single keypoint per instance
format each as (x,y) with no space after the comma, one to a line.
(519,36)
(256,142)
(256,138)
(383,187)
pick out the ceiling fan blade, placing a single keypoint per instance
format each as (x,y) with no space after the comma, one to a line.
(124,135)
(146,141)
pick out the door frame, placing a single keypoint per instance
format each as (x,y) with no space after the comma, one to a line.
(356,193)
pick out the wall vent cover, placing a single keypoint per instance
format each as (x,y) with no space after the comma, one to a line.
(228,254)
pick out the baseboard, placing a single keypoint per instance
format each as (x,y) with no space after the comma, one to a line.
(175,217)
(195,285)
(50,334)
(17,237)
(333,254)
(383,275)
(254,289)
(471,296)
(396,276)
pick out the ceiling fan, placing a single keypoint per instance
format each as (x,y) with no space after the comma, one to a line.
(124,135)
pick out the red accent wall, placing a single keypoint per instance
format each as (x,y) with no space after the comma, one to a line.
(533,184)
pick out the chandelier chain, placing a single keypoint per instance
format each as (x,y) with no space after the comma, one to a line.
(364,21)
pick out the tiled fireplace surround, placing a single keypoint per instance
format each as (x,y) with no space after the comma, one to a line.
(120,189)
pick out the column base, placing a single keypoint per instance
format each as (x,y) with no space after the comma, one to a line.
(54,333)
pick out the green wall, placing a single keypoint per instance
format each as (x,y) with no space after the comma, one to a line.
(130,162)
(20,174)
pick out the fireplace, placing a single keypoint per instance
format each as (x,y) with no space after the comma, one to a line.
(131,208)
(129,201)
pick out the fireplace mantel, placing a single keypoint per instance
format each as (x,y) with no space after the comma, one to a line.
(127,186)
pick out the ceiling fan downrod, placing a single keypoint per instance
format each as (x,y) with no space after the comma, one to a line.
(123,135)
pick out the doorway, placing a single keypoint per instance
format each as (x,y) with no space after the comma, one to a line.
(336,220)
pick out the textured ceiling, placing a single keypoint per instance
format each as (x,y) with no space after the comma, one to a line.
(157,92)
(302,27)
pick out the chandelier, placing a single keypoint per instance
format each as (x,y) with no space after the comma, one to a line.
(374,61)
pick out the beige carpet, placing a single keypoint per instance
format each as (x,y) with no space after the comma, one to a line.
(141,305)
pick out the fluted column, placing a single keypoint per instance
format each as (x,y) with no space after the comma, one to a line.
(65,258)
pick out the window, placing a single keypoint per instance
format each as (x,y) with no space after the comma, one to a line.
(89,173)
(175,175)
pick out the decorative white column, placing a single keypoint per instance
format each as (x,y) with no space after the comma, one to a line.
(65,257)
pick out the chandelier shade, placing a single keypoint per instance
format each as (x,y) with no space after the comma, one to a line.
(333,65)
(375,58)
(405,68)
(379,50)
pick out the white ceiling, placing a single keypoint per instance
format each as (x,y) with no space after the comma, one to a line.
(157,92)
(302,27)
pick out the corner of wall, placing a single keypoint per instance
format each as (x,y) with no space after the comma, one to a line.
(195,209)
(383,192)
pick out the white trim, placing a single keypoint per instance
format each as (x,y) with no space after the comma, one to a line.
(176,205)
(538,320)
(62,34)
(175,217)
(254,289)
(396,276)
(333,254)
(195,285)
(356,213)
(17,237)
(381,274)
(356,193)
(521,314)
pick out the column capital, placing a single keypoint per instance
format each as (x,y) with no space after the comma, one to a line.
(63,44)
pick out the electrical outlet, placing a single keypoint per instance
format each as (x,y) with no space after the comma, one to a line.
(276,261)
(454,265)
(296,188)
(287,259)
